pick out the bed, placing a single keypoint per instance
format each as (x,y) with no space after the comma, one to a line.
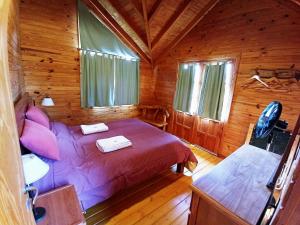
(97,175)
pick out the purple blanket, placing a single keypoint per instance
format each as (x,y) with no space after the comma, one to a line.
(96,175)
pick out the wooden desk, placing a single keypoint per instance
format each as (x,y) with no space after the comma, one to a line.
(62,207)
(235,191)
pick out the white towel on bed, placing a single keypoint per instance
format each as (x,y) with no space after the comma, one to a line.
(94,128)
(113,143)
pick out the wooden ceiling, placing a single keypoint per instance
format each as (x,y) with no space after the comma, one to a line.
(150,27)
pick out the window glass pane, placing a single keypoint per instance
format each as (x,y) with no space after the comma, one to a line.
(196,89)
(228,79)
(184,87)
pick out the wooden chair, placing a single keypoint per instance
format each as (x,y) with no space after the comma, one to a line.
(154,115)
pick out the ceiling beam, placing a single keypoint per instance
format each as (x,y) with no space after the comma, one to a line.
(117,23)
(154,10)
(136,8)
(168,25)
(131,24)
(210,5)
(145,15)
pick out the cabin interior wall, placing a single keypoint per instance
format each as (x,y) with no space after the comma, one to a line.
(261,34)
(49,42)
(14,53)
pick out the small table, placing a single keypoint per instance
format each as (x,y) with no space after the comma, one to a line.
(62,207)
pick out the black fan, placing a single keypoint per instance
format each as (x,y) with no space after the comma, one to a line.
(266,124)
(268,120)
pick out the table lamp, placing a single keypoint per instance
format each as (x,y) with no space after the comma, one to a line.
(34,169)
(47,101)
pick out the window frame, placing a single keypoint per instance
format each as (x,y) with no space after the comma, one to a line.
(235,64)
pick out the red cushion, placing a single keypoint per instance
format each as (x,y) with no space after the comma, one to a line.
(37,115)
(40,140)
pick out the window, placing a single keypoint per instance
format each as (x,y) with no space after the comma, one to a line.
(204,88)
(109,69)
(108,80)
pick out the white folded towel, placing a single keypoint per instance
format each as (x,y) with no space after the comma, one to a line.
(94,128)
(113,143)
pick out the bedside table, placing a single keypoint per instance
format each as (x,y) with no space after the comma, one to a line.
(62,207)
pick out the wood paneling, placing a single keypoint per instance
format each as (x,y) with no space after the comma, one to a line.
(49,42)
(12,198)
(207,133)
(14,54)
(201,131)
(261,34)
(168,21)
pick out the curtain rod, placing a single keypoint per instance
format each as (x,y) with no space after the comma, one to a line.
(97,51)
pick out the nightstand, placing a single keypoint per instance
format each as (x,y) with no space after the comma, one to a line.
(62,207)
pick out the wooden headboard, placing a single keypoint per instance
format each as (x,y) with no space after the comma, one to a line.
(21,106)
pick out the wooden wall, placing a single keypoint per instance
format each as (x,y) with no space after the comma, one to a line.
(261,34)
(49,42)
(14,54)
(13,201)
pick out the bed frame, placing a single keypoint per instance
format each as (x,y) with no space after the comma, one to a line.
(21,106)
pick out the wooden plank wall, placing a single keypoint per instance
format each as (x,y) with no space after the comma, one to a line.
(14,53)
(261,34)
(13,200)
(49,42)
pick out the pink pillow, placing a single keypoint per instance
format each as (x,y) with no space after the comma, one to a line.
(37,115)
(40,140)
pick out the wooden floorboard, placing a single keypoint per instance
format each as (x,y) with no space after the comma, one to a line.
(163,199)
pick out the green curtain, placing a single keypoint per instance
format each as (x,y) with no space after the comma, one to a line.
(94,35)
(212,93)
(97,80)
(105,81)
(184,87)
(126,82)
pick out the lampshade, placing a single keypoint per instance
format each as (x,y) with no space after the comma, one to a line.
(47,101)
(34,168)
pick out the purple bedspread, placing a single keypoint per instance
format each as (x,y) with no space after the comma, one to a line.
(96,175)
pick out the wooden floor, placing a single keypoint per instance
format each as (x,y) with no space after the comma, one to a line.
(164,199)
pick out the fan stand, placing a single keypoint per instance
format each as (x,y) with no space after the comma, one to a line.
(270,140)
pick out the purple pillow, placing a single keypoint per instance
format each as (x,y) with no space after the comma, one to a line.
(40,140)
(37,115)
